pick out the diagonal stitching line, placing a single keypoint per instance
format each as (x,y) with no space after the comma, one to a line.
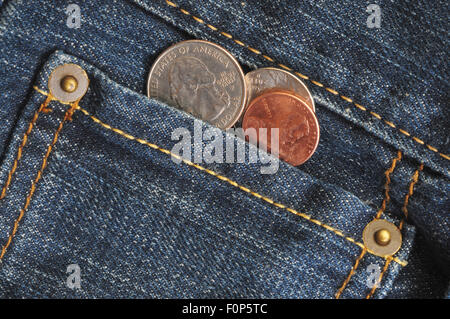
(223,178)
(380,278)
(350,275)
(415,179)
(43,108)
(305,77)
(39,174)
(388,173)
(385,201)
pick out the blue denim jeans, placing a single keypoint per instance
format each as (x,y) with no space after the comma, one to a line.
(100,190)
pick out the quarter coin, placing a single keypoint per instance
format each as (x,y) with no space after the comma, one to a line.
(201,78)
(298,126)
(262,79)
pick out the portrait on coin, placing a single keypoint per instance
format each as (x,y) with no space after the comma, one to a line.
(293,131)
(293,125)
(194,89)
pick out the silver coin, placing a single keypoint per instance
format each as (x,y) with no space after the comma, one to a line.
(270,78)
(201,78)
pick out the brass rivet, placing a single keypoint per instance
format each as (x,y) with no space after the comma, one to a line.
(382,237)
(69,84)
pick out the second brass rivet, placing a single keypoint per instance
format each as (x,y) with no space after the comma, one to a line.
(69,83)
(382,237)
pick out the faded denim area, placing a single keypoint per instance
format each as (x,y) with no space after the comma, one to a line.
(139,225)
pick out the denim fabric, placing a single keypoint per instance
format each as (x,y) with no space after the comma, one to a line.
(140,225)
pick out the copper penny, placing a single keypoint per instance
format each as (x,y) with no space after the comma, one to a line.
(298,126)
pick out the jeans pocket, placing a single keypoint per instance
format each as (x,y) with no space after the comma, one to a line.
(345,72)
(108,194)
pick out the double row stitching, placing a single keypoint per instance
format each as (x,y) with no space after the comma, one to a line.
(305,77)
(44,109)
(384,203)
(387,184)
(67,116)
(415,179)
(223,178)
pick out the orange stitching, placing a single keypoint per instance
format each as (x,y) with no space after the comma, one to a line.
(213,173)
(52,97)
(352,272)
(385,268)
(43,108)
(334,92)
(226,179)
(223,178)
(415,179)
(388,173)
(67,117)
(386,200)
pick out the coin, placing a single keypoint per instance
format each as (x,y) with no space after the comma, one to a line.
(297,123)
(201,78)
(262,79)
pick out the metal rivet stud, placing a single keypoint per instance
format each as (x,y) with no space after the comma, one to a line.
(382,238)
(68,83)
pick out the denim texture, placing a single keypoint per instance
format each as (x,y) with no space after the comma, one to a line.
(140,225)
